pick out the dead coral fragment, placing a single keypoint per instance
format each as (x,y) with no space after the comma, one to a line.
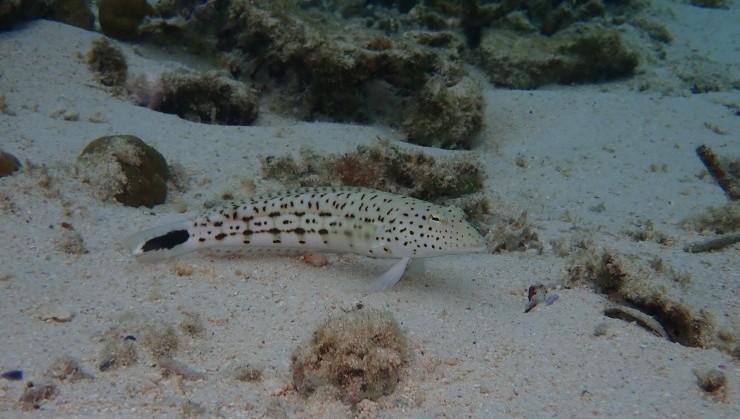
(624,283)
(361,353)
(713,243)
(725,173)
(635,316)
(107,62)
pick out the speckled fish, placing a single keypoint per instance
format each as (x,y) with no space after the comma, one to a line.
(321,219)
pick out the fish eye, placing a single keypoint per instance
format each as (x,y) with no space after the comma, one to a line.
(436,219)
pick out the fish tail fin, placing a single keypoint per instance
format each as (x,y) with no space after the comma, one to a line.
(161,242)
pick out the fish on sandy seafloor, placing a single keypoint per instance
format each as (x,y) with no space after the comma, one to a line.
(321,219)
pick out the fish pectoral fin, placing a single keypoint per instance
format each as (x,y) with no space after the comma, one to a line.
(390,277)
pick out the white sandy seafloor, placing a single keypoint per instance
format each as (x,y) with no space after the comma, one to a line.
(474,353)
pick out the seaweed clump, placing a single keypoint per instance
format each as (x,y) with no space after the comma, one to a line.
(67,368)
(719,219)
(360,353)
(382,166)
(107,62)
(159,339)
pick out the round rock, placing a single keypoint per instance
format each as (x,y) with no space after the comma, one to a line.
(8,164)
(125,168)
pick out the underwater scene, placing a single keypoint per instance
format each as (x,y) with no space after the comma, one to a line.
(370,209)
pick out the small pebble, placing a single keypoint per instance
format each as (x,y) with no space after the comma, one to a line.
(54,314)
(315,259)
(71,116)
(535,294)
(12,375)
(348,307)
(710,380)
(97,118)
(601,329)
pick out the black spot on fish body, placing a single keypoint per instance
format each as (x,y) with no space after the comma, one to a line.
(166,241)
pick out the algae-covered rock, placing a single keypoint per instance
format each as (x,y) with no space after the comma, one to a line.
(208,99)
(72,12)
(446,116)
(361,353)
(125,168)
(107,62)
(711,4)
(8,164)
(120,19)
(10,12)
(323,70)
(381,166)
(581,54)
